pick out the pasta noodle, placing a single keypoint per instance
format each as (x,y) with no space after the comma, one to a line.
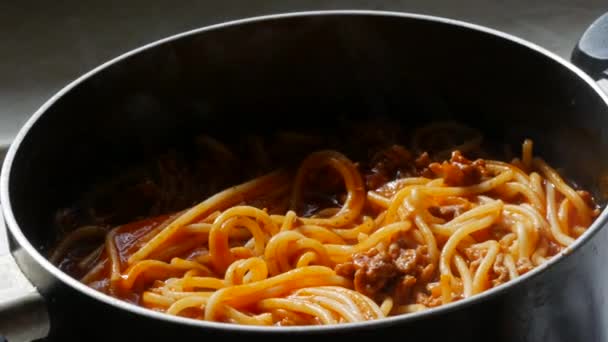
(335,241)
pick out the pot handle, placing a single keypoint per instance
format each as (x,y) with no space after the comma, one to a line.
(591,51)
(23,312)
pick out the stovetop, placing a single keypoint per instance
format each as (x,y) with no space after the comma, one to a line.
(45,47)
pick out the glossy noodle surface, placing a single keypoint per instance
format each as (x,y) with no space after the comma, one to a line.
(332,236)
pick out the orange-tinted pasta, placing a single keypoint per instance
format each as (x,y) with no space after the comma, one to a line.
(377,243)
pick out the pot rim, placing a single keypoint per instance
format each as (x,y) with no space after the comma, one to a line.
(393,320)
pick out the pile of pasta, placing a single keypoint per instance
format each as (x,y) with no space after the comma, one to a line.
(248,255)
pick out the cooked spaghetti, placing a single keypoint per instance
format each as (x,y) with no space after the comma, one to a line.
(338,240)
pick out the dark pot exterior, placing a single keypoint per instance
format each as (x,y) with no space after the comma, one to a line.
(308,69)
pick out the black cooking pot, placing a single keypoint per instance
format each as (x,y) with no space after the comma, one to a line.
(307,69)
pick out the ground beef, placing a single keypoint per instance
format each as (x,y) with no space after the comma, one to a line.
(374,270)
(404,287)
(449,212)
(427,300)
(346,269)
(474,253)
(387,165)
(397,162)
(423,161)
(427,273)
(500,270)
(422,165)
(394,271)
(393,163)
(404,259)
(459,171)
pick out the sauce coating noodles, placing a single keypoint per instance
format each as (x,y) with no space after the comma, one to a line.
(337,240)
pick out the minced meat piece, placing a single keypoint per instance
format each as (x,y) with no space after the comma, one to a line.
(422,165)
(501,271)
(374,270)
(449,212)
(423,161)
(404,259)
(394,270)
(403,289)
(346,269)
(428,301)
(389,164)
(460,171)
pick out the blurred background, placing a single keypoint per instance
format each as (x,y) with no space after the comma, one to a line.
(45,45)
